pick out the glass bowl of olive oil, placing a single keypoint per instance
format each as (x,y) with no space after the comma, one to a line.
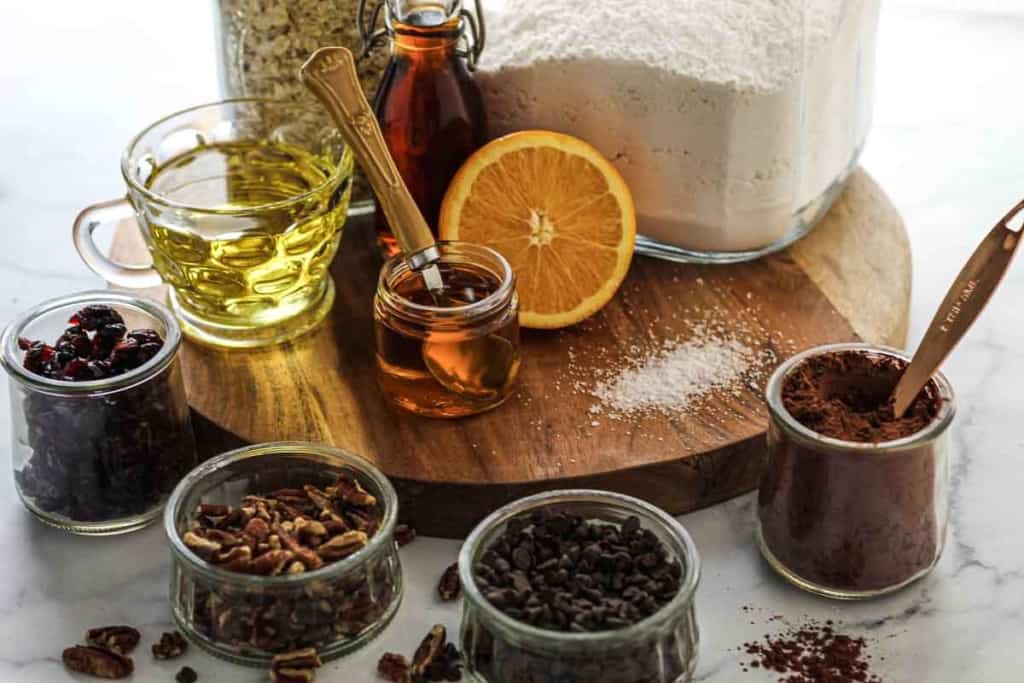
(241,204)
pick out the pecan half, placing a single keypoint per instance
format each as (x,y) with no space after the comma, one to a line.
(450,587)
(306,658)
(97,661)
(171,645)
(350,491)
(120,639)
(319,498)
(272,562)
(429,650)
(297,666)
(305,555)
(394,667)
(342,546)
(404,535)
(203,547)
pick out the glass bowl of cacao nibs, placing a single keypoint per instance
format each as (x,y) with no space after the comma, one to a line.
(100,423)
(579,586)
(283,546)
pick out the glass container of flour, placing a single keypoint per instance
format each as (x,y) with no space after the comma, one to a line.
(735,122)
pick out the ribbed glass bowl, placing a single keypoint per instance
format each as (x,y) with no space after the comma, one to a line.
(659,649)
(248,619)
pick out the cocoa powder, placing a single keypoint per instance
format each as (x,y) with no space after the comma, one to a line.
(845,395)
(812,653)
(853,519)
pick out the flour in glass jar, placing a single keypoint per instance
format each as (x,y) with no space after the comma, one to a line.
(727,118)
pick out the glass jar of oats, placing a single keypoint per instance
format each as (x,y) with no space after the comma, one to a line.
(262,44)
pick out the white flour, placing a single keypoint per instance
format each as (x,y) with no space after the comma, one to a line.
(720,120)
(669,380)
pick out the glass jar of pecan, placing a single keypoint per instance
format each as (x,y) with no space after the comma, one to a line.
(100,427)
(579,586)
(282,546)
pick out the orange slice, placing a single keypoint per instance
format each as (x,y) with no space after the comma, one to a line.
(558,211)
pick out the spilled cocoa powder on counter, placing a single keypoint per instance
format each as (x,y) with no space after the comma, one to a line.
(811,652)
(846,396)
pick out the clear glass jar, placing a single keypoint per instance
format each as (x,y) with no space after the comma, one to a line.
(455,359)
(733,147)
(247,619)
(853,520)
(262,44)
(102,456)
(660,649)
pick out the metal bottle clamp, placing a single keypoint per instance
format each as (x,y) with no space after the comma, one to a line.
(471,25)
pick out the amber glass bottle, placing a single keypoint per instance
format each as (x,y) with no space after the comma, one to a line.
(428,105)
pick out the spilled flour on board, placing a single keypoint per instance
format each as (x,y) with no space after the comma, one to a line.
(675,375)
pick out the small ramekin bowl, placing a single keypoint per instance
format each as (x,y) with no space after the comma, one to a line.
(247,619)
(659,649)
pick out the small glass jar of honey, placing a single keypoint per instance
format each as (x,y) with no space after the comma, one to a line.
(450,353)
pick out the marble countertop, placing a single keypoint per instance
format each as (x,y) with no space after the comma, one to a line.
(948,145)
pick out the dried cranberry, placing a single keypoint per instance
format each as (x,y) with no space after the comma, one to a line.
(74,342)
(38,357)
(95,316)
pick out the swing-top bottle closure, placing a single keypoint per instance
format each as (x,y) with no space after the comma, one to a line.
(471,26)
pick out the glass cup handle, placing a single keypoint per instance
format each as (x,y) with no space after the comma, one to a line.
(108,214)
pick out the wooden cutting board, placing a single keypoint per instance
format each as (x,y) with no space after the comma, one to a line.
(849,279)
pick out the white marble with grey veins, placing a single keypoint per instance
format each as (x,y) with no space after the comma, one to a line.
(948,145)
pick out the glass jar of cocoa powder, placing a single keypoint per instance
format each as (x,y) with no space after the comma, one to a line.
(853,501)
(557,610)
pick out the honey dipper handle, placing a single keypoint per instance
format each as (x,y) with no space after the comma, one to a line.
(330,73)
(964,301)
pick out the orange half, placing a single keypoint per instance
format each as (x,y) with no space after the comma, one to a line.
(558,211)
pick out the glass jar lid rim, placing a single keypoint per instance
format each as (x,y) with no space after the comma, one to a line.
(773,396)
(346,458)
(172,340)
(684,596)
(397,264)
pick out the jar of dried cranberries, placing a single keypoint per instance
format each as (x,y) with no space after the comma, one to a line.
(100,425)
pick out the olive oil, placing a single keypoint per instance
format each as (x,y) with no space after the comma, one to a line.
(255,243)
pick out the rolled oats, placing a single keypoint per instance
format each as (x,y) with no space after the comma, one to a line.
(264,42)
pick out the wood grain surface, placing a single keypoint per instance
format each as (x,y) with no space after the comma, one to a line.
(848,279)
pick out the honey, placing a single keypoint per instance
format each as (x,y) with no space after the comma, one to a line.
(450,353)
(429,108)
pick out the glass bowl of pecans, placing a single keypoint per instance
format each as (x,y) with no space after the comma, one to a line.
(579,586)
(281,547)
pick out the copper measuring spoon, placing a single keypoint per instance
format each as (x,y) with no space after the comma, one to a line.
(966,298)
(330,73)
